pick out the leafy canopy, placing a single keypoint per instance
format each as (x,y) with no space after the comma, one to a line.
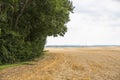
(25,25)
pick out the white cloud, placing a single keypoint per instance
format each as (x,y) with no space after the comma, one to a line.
(94,22)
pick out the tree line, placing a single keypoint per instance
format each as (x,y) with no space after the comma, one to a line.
(25,25)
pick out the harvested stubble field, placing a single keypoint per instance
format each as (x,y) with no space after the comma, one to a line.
(93,63)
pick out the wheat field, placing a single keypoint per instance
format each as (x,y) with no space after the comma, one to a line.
(91,63)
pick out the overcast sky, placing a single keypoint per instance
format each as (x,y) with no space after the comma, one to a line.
(94,22)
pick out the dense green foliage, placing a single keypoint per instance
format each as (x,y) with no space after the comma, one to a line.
(25,25)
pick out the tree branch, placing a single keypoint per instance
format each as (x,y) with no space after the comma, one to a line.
(21,12)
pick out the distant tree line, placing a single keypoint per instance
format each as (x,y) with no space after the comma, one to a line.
(25,25)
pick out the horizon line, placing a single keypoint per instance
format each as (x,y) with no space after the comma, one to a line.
(78,45)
